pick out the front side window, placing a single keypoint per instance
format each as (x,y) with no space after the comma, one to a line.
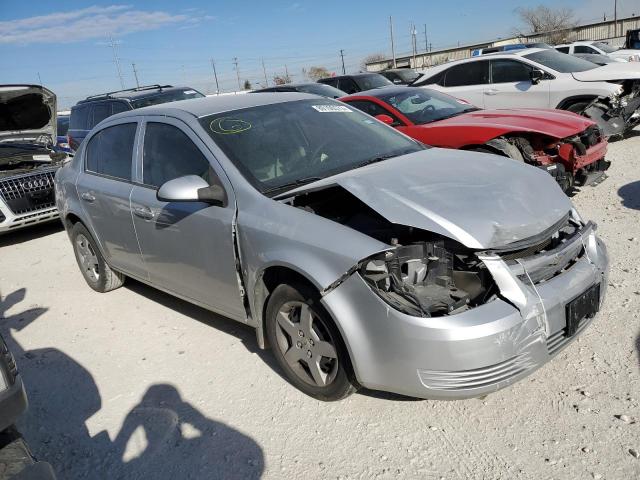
(507,71)
(169,153)
(280,146)
(100,112)
(584,49)
(469,73)
(563,49)
(425,105)
(110,151)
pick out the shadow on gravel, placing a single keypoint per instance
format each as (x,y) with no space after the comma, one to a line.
(163,437)
(630,195)
(30,233)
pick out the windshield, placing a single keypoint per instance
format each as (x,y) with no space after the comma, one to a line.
(407,75)
(276,146)
(166,97)
(369,82)
(425,106)
(604,47)
(63,125)
(561,62)
(321,89)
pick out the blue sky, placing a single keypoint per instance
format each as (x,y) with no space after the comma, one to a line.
(66,43)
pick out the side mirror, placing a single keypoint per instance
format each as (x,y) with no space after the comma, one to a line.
(397,81)
(191,188)
(536,75)
(385,119)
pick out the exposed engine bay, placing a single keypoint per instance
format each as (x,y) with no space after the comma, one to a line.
(619,113)
(423,274)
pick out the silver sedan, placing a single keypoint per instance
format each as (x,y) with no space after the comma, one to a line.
(361,257)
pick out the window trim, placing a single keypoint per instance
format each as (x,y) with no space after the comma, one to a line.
(134,152)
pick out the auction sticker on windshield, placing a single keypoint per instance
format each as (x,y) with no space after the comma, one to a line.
(331,108)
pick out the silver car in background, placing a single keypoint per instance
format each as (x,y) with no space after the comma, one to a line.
(361,257)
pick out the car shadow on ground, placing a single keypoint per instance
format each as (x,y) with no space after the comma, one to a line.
(163,437)
(27,234)
(630,195)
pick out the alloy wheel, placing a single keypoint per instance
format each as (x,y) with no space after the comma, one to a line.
(88,258)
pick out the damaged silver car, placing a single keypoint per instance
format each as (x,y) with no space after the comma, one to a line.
(360,256)
(27,158)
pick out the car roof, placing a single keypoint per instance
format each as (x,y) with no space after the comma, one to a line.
(508,54)
(201,107)
(354,75)
(379,92)
(133,94)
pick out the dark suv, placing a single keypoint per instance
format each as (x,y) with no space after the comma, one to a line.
(87,113)
(358,82)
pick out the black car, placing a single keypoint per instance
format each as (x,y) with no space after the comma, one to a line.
(400,76)
(87,113)
(16,460)
(358,82)
(314,88)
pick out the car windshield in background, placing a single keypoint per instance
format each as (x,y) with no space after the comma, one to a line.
(604,47)
(425,106)
(321,89)
(368,82)
(561,62)
(280,146)
(407,75)
(63,125)
(166,97)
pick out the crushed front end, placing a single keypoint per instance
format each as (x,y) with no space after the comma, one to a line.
(618,114)
(433,319)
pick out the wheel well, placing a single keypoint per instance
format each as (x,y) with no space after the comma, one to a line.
(70,220)
(267,282)
(567,102)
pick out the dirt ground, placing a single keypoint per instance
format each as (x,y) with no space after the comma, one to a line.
(137,384)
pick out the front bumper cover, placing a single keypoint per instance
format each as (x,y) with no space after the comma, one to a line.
(468,354)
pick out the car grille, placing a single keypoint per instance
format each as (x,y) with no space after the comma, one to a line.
(28,193)
(556,341)
(7,358)
(476,378)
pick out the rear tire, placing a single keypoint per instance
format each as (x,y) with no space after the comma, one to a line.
(94,269)
(307,344)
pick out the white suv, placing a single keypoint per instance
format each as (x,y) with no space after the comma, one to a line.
(544,78)
(600,48)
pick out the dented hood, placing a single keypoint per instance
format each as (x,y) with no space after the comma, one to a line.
(553,123)
(481,200)
(610,72)
(27,114)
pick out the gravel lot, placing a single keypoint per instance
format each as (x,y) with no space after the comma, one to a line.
(137,384)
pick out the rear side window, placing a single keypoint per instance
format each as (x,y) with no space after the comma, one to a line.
(470,73)
(110,151)
(169,153)
(119,107)
(505,71)
(80,118)
(100,112)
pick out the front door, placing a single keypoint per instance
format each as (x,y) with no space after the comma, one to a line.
(187,247)
(104,187)
(511,87)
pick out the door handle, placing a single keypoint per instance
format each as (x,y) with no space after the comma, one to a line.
(143,212)
(491,91)
(87,197)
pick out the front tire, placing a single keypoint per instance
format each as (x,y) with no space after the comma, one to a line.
(577,108)
(94,269)
(306,343)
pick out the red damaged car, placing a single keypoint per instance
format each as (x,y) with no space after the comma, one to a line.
(570,147)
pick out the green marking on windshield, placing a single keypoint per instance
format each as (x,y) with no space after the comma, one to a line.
(227,125)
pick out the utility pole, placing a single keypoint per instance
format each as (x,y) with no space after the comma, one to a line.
(393,50)
(615,18)
(264,70)
(215,75)
(235,62)
(342,56)
(286,73)
(426,39)
(116,59)
(135,74)
(413,43)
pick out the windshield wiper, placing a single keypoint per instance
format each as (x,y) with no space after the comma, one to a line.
(295,183)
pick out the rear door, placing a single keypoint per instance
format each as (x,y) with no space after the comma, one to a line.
(511,86)
(467,81)
(104,187)
(188,247)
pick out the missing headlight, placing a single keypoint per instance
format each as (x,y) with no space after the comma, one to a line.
(428,279)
